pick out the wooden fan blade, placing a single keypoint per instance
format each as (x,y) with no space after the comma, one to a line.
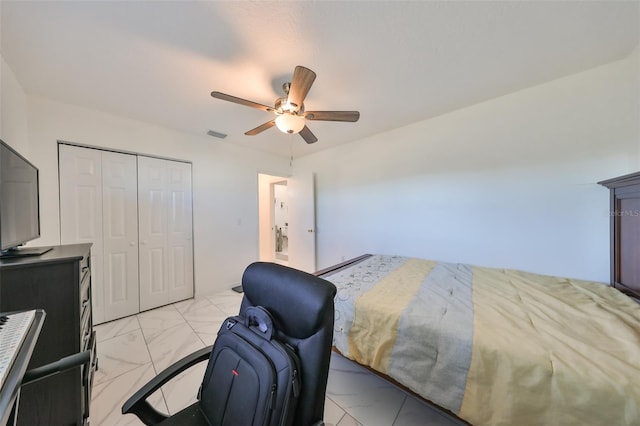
(350,116)
(234,99)
(307,135)
(300,84)
(261,128)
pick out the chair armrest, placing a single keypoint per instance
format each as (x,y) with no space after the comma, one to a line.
(137,404)
(63,364)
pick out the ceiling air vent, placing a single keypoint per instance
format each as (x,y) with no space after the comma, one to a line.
(216,134)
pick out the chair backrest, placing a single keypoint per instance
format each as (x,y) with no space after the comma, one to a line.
(303,311)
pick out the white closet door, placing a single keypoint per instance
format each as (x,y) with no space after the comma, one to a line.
(152,228)
(81,211)
(165,226)
(120,234)
(180,227)
(98,204)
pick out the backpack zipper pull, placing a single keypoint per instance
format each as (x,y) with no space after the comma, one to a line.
(272,403)
(295,384)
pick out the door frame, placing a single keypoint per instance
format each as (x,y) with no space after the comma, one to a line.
(266,236)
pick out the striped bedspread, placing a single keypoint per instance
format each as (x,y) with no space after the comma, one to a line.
(494,346)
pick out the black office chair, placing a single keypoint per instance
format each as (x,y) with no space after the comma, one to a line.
(302,308)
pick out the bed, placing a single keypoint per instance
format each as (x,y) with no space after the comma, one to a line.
(493,346)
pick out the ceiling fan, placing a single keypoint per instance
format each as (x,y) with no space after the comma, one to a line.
(289,110)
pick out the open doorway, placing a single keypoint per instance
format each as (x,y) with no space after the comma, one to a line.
(273,219)
(281,221)
(286,220)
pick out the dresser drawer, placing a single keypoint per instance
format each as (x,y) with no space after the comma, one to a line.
(85,266)
(85,294)
(86,330)
(87,376)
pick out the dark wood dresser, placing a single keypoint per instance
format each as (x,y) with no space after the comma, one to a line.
(625,232)
(59,282)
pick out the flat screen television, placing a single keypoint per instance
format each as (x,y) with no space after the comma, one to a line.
(19,204)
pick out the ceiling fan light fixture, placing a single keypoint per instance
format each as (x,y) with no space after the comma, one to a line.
(290,123)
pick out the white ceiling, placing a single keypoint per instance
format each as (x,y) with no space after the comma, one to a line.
(395,62)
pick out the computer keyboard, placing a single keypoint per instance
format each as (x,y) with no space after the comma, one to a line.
(13,329)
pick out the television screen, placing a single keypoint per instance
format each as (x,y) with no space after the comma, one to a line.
(19,208)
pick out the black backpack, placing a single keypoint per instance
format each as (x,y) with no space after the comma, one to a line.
(252,379)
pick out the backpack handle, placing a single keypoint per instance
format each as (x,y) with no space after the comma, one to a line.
(260,321)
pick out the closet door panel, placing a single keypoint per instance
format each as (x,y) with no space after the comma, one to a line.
(180,242)
(152,211)
(120,233)
(80,172)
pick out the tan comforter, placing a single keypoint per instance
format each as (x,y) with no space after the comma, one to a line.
(495,346)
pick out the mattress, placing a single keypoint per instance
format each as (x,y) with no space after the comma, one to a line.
(494,346)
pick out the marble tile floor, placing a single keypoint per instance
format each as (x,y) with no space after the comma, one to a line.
(132,350)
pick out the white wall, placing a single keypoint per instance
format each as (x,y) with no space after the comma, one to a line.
(13,110)
(510,182)
(225,181)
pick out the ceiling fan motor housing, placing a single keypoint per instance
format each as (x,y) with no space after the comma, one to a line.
(283,106)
